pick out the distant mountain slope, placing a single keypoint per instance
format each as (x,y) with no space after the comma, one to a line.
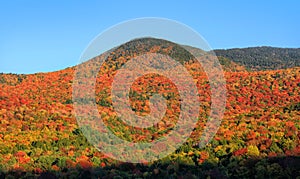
(263,58)
(227,64)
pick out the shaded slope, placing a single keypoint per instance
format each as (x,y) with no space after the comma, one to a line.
(263,58)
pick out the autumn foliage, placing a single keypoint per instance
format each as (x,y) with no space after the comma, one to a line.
(39,131)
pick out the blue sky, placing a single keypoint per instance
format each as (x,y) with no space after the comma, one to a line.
(43,36)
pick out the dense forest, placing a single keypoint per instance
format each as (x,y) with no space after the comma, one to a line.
(263,58)
(258,137)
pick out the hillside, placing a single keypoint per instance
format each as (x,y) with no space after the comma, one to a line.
(259,135)
(227,64)
(263,58)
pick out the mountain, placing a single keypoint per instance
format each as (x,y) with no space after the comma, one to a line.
(258,136)
(178,52)
(263,58)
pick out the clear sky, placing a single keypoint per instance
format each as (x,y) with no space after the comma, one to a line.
(42,36)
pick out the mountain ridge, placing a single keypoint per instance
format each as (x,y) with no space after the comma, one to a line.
(255,58)
(263,58)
